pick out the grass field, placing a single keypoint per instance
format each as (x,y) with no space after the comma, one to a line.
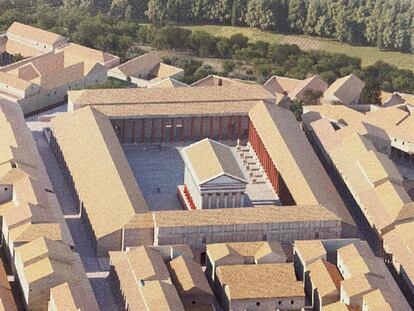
(369,55)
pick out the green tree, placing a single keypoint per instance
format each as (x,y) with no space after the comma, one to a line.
(204,43)
(371,94)
(297,14)
(260,14)
(157,11)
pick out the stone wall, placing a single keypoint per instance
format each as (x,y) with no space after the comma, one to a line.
(198,236)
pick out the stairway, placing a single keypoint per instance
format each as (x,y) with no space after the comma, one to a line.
(251,163)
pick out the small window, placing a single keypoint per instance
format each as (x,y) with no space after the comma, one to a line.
(203,240)
(193,302)
(55,92)
(292,302)
(5,188)
(316,235)
(258,303)
(280,302)
(264,237)
(96,81)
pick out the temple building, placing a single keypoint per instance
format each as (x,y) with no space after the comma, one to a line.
(220,184)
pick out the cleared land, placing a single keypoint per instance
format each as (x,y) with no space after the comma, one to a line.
(369,55)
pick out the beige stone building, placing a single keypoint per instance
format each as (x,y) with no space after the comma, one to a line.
(145,71)
(369,157)
(100,122)
(41,266)
(345,272)
(266,223)
(260,287)
(212,176)
(28,207)
(109,203)
(295,89)
(27,41)
(143,280)
(71,296)
(245,112)
(239,253)
(344,91)
(42,81)
(49,69)
(191,283)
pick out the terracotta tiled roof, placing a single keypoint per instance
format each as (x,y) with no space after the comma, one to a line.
(71,296)
(309,251)
(139,96)
(295,159)
(113,198)
(227,216)
(162,71)
(14,82)
(188,277)
(375,300)
(256,250)
(33,33)
(162,296)
(260,281)
(139,64)
(145,263)
(145,280)
(13,47)
(325,277)
(34,212)
(220,157)
(46,264)
(344,90)
(167,83)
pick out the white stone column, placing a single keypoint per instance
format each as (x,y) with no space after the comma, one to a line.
(242,200)
(205,200)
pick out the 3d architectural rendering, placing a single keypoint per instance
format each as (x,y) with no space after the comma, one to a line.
(368,157)
(145,71)
(160,195)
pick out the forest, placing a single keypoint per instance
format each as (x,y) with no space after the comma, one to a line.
(386,24)
(114,26)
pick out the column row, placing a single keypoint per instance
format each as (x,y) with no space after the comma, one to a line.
(156,130)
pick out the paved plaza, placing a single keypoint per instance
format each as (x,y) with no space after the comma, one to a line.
(160,169)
